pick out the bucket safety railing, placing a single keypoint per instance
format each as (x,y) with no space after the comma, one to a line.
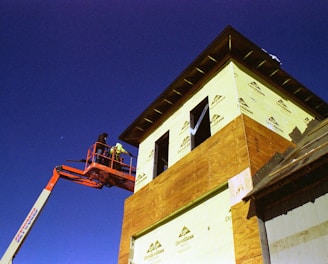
(109,158)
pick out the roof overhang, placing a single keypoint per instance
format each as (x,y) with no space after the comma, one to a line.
(229,45)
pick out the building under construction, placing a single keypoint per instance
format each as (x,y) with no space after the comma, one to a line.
(232,165)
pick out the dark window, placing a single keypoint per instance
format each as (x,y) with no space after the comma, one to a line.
(161,154)
(200,124)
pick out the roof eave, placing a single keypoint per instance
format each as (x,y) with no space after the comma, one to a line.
(229,44)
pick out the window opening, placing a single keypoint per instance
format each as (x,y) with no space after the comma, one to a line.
(200,123)
(161,154)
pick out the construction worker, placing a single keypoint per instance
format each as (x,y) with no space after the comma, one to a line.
(101,146)
(116,152)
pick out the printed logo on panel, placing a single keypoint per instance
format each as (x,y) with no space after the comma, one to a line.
(150,155)
(256,88)
(228,217)
(185,127)
(244,106)
(283,106)
(216,119)
(154,249)
(274,124)
(273,121)
(184,144)
(141,177)
(217,99)
(184,236)
(307,120)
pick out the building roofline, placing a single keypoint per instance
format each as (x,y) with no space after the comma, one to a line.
(229,45)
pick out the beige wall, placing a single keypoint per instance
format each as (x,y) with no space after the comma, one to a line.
(262,102)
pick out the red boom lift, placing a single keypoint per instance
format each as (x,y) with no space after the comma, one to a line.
(100,170)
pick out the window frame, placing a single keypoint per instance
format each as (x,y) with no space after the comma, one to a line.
(200,128)
(161,154)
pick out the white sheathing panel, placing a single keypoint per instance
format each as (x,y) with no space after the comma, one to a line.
(240,185)
(201,235)
(145,167)
(301,235)
(223,108)
(180,141)
(223,99)
(261,102)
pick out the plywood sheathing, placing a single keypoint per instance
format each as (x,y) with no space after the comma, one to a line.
(241,144)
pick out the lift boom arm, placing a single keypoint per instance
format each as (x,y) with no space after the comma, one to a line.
(29,221)
(110,172)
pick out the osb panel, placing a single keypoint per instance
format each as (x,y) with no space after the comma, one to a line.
(242,143)
(206,167)
(262,143)
(254,260)
(246,235)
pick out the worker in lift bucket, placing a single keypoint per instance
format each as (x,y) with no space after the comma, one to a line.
(101,147)
(116,152)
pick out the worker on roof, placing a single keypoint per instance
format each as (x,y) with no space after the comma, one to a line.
(101,146)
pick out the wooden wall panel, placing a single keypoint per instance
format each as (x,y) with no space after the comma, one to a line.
(241,144)
(262,143)
(246,235)
(209,165)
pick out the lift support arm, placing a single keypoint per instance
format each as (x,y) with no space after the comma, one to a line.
(95,175)
(29,221)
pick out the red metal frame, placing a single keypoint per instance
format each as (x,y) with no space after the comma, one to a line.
(109,172)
